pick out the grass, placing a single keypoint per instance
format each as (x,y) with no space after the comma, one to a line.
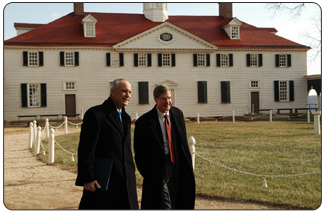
(256,147)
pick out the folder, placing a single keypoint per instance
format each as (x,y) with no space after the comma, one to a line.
(102,171)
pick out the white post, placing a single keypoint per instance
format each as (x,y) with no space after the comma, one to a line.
(270,116)
(136,116)
(317,130)
(66,125)
(31,135)
(35,130)
(81,113)
(38,140)
(47,128)
(51,147)
(198,118)
(308,116)
(233,116)
(192,149)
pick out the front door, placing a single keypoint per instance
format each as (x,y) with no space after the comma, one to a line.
(70,107)
(255,102)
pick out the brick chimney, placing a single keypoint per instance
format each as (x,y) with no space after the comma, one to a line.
(225,10)
(78,9)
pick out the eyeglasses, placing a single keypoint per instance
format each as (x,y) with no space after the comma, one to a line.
(165,99)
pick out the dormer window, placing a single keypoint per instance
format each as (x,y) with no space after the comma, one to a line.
(89,26)
(235,32)
(232,28)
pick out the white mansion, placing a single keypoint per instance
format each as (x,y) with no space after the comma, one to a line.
(214,64)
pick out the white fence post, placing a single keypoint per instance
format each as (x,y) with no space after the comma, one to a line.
(35,130)
(308,116)
(38,140)
(82,113)
(270,116)
(233,116)
(31,135)
(198,118)
(136,116)
(192,149)
(66,125)
(51,147)
(317,125)
(47,128)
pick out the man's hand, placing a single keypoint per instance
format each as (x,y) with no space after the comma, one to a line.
(91,186)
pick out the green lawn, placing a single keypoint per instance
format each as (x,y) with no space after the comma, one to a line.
(274,149)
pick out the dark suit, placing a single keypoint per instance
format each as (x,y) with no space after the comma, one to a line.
(102,136)
(150,161)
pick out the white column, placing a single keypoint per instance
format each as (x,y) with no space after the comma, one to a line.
(38,140)
(192,149)
(47,128)
(31,135)
(66,125)
(51,147)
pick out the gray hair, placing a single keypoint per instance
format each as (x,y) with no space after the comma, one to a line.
(160,89)
(115,83)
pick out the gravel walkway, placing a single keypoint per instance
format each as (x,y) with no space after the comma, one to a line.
(31,184)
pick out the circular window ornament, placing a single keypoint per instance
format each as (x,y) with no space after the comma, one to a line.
(165,37)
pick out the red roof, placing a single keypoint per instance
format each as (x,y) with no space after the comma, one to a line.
(112,28)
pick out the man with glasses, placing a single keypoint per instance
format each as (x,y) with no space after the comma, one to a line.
(162,156)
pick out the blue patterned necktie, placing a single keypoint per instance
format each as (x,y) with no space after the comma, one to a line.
(119,112)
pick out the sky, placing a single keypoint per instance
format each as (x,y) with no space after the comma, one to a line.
(256,14)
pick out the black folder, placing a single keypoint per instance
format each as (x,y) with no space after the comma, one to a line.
(102,171)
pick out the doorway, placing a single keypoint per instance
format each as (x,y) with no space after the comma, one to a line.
(70,106)
(255,105)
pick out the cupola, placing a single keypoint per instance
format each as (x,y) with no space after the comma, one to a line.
(156,12)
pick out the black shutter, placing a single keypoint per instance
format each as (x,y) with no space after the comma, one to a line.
(195,60)
(291,91)
(43,95)
(41,58)
(149,59)
(277,60)
(25,58)
(248,60)
(143,95)
(135,59)
(276,91)
(76,58)
(288,60)
(121,59)
(159,59)
(202,92)
(218,62)
(108,59)
(260,60)
(173,59)
(24,100)
(225,91)
(62,59)
(207,59)
(230,60)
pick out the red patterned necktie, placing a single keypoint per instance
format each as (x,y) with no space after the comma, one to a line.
(168,129)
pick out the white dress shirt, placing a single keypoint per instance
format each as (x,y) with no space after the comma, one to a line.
(162,124)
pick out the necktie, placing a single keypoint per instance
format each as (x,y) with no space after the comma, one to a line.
(168,129)
(121,120)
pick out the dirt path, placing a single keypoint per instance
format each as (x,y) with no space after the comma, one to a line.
(31,184)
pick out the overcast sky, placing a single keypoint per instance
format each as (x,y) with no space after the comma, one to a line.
(256,14)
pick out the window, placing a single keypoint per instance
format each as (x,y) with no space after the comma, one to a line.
(70,86)
(224,60)
(33,58)
(33,95)
(143,93)
(89,29)
(225,91)
(284,91)
(201,60)
(235,32)
(115,59)
(254,60)
(283,60)
(142,60)
(254,84)
(202,91)
(69,58)
(166,60)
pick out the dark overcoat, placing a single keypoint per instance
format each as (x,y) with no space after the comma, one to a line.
(102,136)
(149,158)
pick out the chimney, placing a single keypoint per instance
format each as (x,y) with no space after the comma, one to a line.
(225,10)
(78,10)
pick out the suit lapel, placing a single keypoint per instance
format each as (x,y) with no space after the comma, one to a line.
(175,128)
(156,128)
(113,115)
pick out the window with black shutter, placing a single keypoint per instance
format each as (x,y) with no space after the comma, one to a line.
(24,98)
(143,93)
(31,58)
(225,92)
(202,91)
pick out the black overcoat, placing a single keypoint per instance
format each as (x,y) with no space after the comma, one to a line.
(149,158)
(102,135)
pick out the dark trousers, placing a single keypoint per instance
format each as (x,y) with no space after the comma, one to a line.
(168,187)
